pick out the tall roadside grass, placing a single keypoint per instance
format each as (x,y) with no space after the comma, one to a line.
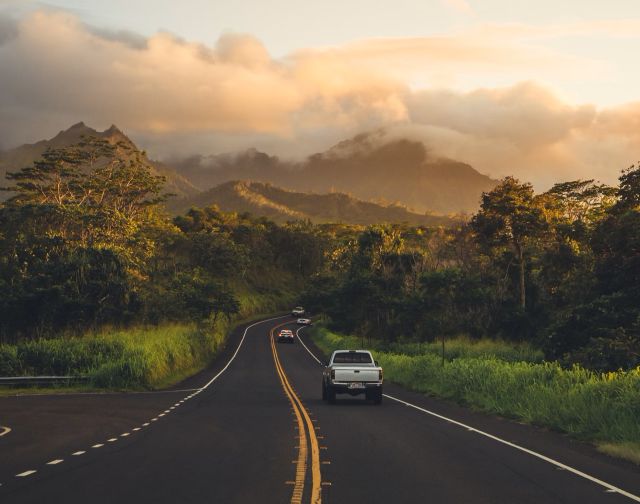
(137,358)
(599,407)
(455,348)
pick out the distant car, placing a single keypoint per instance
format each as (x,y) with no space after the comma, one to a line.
(303,321)
(286,336)
(298,311)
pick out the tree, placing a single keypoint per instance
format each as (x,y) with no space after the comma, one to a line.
(509,216)
(76,236)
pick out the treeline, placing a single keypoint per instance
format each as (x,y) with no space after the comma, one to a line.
(85,243)
(559,269)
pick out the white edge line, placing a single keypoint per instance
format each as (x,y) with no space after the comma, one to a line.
(238,349)
(560,465)
(306,347)
(608,486)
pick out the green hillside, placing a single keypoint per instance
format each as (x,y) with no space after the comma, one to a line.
(281,205)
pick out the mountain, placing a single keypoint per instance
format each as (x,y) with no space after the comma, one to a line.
(15,159)
(281,205)
(371,166)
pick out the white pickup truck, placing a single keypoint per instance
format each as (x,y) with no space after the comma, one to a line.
(352,372)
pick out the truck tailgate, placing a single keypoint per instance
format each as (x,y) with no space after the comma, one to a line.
(356,374)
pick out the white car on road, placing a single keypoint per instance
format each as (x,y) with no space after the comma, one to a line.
(286,336)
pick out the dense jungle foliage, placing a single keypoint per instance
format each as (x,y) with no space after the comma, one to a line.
(559,269)
(85,243)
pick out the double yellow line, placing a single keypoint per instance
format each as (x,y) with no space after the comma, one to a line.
(302,417)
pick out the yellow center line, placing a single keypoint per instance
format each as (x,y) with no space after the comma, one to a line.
(301,412)
(301,465)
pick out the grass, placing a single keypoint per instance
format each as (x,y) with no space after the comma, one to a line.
(628,451)
(602,408)
(455,348)
(149,357)
(136,358)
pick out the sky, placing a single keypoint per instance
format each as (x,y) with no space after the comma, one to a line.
(542,90)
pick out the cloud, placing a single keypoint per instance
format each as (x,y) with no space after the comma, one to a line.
(8,29)
(58,66)
(178,96)
(461,6)
(526,115)
(526,131)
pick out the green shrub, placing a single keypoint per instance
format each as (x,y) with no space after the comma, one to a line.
(9,362)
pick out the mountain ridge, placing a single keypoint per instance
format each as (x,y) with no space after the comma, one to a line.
(281,205)
(26,154)
(370,166)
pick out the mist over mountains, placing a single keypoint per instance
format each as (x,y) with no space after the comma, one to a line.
(369,166)
(372,167)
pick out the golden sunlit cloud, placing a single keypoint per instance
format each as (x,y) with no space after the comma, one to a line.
(461,6)
(463,95)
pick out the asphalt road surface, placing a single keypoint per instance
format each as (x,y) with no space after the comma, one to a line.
(253,428)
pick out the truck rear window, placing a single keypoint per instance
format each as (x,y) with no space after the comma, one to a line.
(352,358)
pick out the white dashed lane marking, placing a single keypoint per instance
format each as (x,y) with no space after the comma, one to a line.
(6,430)
(26,473)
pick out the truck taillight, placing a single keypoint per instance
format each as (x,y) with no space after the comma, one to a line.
(380,375)
(333,374)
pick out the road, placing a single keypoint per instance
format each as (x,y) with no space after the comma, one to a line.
(254,429)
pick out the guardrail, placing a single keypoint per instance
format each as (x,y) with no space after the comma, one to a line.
(41,380)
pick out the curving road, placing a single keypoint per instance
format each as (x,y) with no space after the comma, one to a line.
(254,429)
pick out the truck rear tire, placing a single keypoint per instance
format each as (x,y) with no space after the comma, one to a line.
(377,396)
(324,392)
(331,394)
